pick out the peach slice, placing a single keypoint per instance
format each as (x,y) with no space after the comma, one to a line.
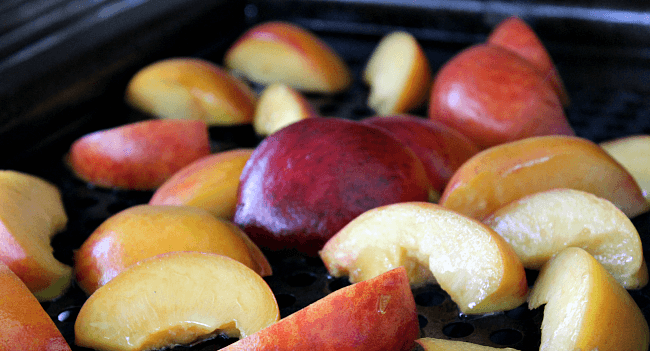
(374,315)
(210,183)
(471,262)
(431,344)
(25,324)
(540,225)
(191,88)
(138,156)
(145,231)
(175,298)
(31,213)
(279,106)
(507,172)
(399,75)
(279,52)
(515,35)
(633,152)
(586,308)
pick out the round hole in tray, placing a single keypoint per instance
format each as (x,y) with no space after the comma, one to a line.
(285,300)
(458,329)
(301,279)
(506,337)
(430,298)
(423,321)
(338,283)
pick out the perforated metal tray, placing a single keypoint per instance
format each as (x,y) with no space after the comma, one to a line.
(603,62)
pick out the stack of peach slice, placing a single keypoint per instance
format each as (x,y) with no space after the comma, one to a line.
(31,213)
(144,231)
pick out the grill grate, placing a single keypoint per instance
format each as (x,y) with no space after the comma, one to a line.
(605,105)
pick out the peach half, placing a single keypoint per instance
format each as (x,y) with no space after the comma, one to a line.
(175,299)
(31,213)
(633,152)
(144,231)
(540,225)
(471,262)
(431,344)
(375,315)
(279,106)
(586,308)
(210,183)
(25,324)
(507,172)
(280,52)
(191,88)
(399,75)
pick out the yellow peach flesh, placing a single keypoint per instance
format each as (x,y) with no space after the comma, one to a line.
(173,299)
(586,308)
(471,262)
(540,225)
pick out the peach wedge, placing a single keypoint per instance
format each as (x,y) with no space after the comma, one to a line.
(633,152)
(174,299)
(398,74)
(280,52)
(31,213)
(279,106)
(470,261)
(25,324)
(145,231)
(540,225)
(191,88)
(586,308)
(210,183)
(431,344)
(507,172)
(375,315)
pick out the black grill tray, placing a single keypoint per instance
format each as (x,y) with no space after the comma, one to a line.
(54,91)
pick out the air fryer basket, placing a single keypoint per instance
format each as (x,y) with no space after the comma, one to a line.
(65,65)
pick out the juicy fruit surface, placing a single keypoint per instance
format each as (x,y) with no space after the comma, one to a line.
(632,152)
(472,263)
(25,325)
(138,156)
(586,308)
(377,314)
(144,231)
(279,106)
(31,213)
(539,226)
(504,173)
(176,298)
(306,181)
